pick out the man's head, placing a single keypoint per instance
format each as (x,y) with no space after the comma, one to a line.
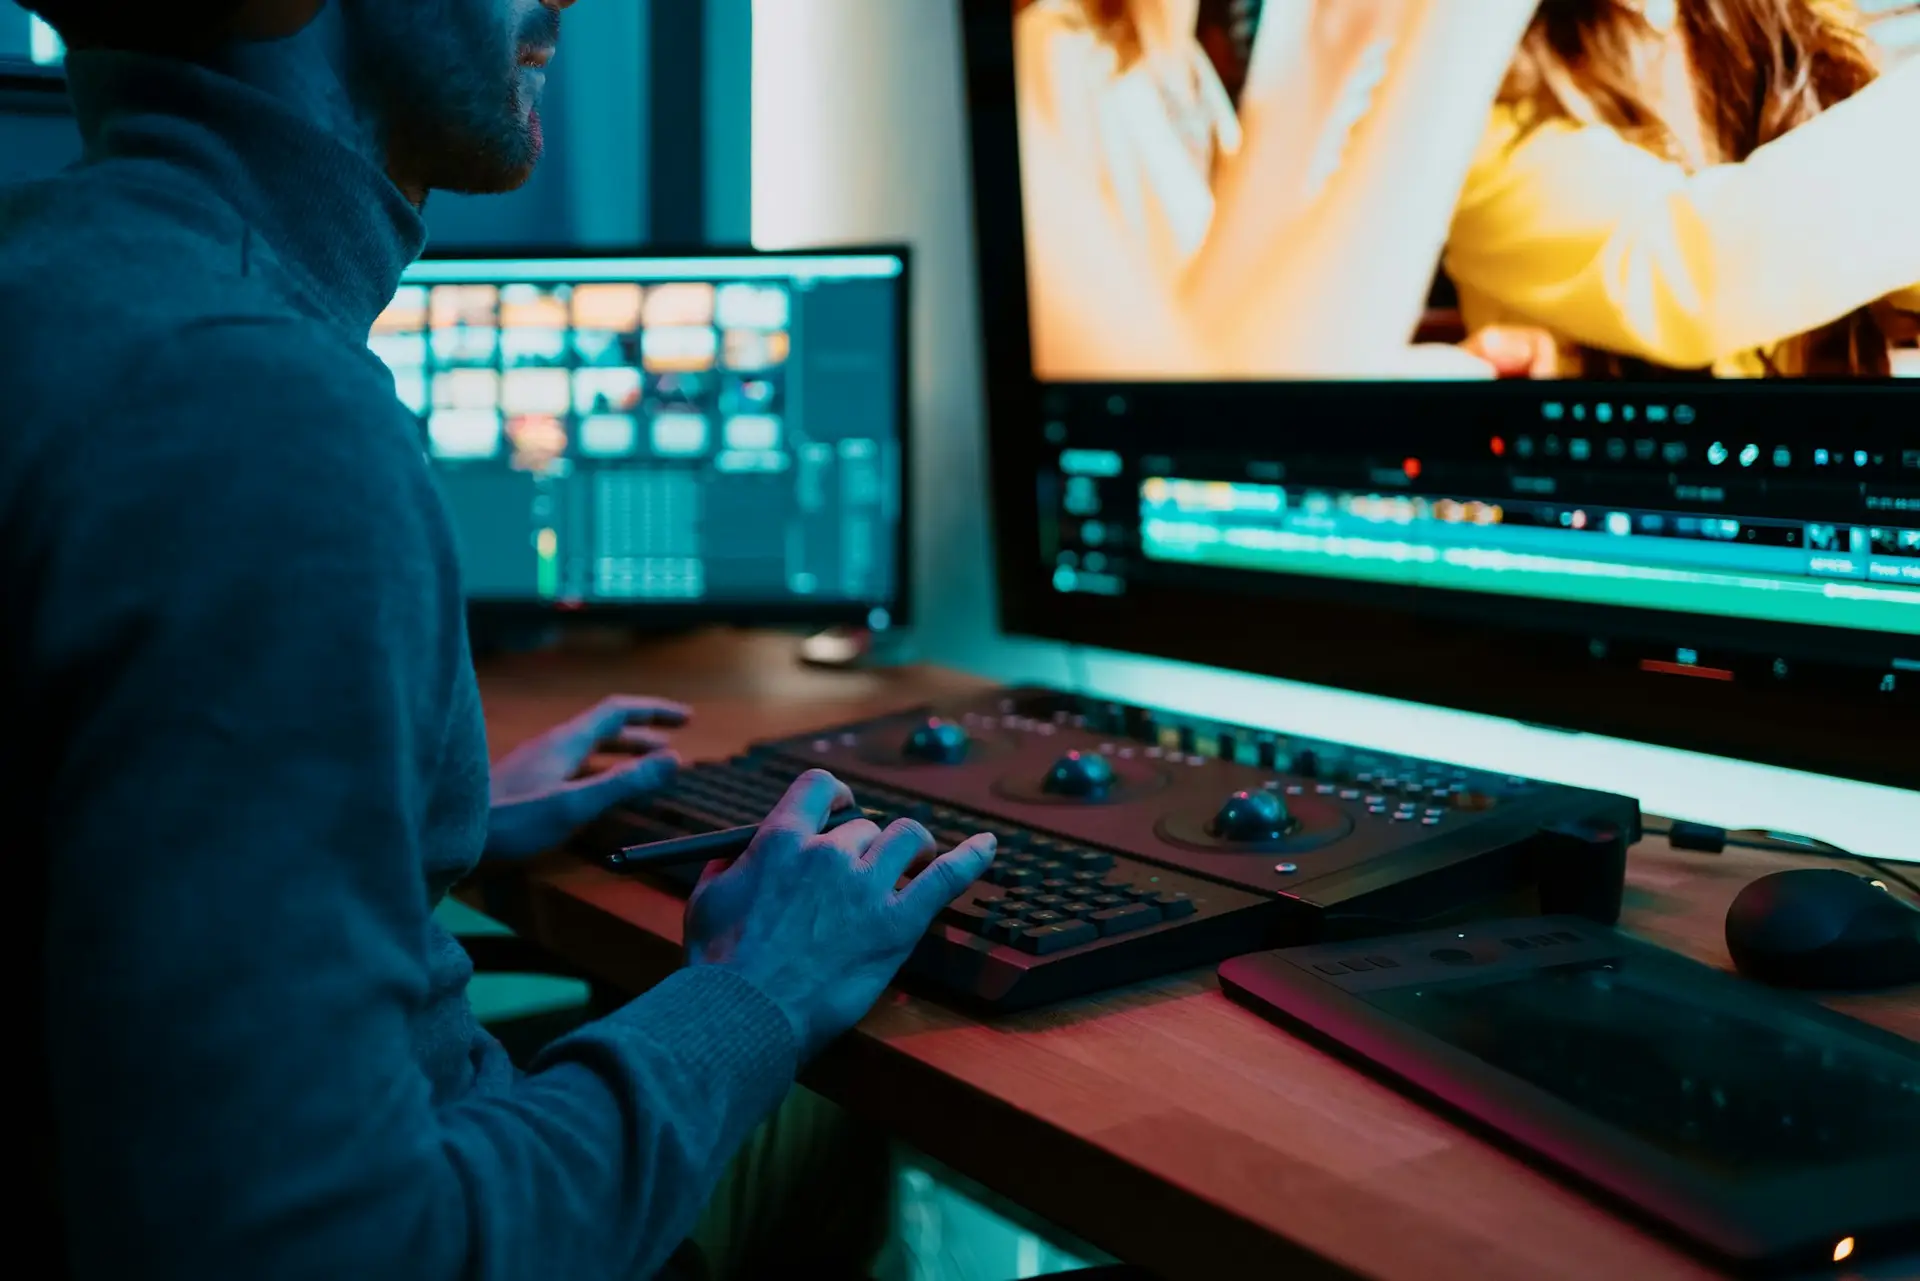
(454,86)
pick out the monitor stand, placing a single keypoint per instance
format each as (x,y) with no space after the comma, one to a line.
(849,648)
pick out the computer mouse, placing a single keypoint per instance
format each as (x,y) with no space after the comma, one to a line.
(1822,927)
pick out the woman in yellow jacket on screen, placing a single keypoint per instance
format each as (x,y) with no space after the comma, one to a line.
(1174,233)
(1723,186)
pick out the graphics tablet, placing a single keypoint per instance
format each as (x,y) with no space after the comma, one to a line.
(1766,1131)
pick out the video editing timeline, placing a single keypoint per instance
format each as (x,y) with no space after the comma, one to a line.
(671,430)
(1596,504)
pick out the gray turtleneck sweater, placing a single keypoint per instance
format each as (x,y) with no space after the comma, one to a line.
(242,755)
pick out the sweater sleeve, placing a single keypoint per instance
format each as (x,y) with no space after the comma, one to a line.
(1579,230)
(243,618)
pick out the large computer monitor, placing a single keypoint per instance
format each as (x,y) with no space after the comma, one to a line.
(1549,360)
(31,54)
(666,437)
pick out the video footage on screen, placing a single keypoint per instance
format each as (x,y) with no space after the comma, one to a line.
(1434,189)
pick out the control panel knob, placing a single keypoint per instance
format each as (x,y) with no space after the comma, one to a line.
(1083,775)
(937,742)
(1252,817)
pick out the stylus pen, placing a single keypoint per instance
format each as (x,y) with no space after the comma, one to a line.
(704,847)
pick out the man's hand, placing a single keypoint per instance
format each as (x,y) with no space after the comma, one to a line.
(815,921)
(537,799)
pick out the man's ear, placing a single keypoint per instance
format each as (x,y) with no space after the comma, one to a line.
(273,19)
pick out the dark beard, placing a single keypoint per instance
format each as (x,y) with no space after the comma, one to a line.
(446,79)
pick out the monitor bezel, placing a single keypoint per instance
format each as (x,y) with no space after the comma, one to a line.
(506,610)
(1400,643)
(29,88)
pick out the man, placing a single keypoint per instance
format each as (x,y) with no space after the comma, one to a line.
(244,754)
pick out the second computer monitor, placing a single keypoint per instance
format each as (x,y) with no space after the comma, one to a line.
(718,435)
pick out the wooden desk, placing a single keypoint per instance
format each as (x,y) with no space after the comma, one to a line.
(1165,1124)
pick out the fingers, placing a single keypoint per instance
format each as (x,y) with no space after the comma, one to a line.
(803,811)
(586,800)
(605,719)
(944,880)
(853,839)
(712,872)
(637,740)
(630,709)
(1516,352)
(894,852)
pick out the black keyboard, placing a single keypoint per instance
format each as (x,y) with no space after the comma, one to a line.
(1048,921)
(1126,867)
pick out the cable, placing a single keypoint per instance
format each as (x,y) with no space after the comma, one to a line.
(1708,839)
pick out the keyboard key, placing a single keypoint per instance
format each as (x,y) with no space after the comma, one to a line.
(969,916)
(1331,967)
(1050,902)
(1119,920)
(1045,916)
(1056,885)
(1359,966)
(1006,929)
(1384,962)
(1024,892)
(1089,878)
(1173,906)
(1056,938)
(1013,875)
(1079,908)
(1053,867)
(1091,860)
(1109,900)
(1083,891)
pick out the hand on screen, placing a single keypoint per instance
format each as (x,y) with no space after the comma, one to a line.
(1516,351)
(538,798)
(821,922)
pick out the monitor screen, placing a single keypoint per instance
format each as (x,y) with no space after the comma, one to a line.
(27,43)
(1552,358)
(718,434)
